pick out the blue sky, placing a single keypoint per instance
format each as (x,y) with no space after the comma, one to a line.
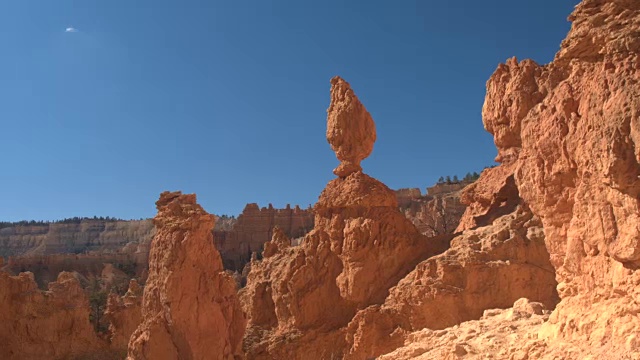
(228,99)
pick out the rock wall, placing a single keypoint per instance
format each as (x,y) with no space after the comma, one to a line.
(51,324)
(568,136)
(189,309)
(436,213)
(123,314)
(571,129)
(254,227)
(489,267)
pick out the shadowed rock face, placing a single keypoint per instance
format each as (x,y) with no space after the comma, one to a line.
(189,308)
(51,324)
(299,299)
(123,315)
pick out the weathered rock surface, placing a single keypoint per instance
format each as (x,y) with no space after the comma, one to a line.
(51,324)
(350,128)
(47,267)
(493,195)
(568,136)
(436,213)
(123,315)
(299,299)
(87,235)
(190,309)
(574,128)
(489,267)
(254,227)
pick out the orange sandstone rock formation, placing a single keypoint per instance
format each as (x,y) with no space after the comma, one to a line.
(51,324)
(123,315)
(436,213)
(568,136)
(486,268)
(299,299)
(190,309)
(573,128)
(346,112)
(254,227)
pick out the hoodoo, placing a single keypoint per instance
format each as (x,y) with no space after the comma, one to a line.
(299,299)
(189,308)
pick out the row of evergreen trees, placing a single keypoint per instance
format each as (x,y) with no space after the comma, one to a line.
(73,220)
(470,177)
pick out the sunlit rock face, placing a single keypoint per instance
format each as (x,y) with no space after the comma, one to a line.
(299,299)
(189,308)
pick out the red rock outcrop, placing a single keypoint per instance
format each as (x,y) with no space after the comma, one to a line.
(190,309)
(47,267)
(51,324)
(254,227)
(489,267)
(347,112)
(299,299)
(568,136)
(436,213)
(573,130)
(493,195)
(123,315)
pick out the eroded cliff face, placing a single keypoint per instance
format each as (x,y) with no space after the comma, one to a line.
(190,309)
(51,324)
(88,235)
(299,299)
(436,213)
(573,129)
(489,267)
(254,227)
(123,314)
(568,136)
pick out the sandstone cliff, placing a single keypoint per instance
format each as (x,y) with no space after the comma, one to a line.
(573,132)
(190,309)
(436,213)
(299,299)
(568,136)
(254,227)
(51,324)
(489,267)
(87,235)
(123,316)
